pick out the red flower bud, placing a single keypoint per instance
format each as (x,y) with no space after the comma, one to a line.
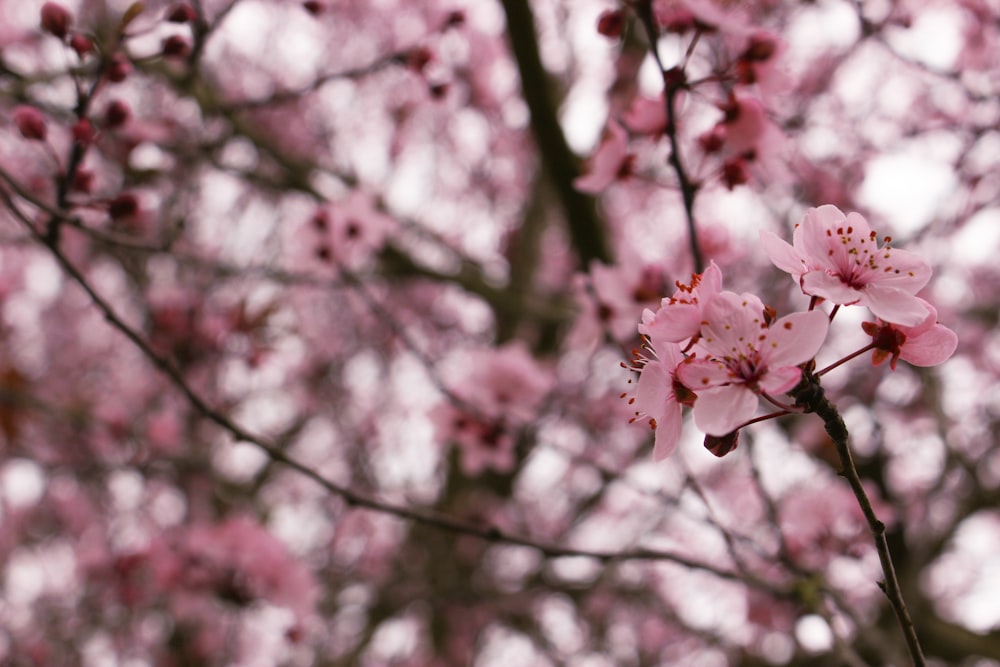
(56,19)
(720,445)
(611,22)
(81,44)
(83,180)
(181,12)
(117,114)
(31,123)
(734,172)
(176,46)
(119,68)
(314,7)
(123,206)
(83,132)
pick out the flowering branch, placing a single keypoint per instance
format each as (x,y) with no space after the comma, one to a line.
(350,496)
(674,81)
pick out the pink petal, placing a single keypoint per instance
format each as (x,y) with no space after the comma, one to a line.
(731,323)
(794,339)
(672,322)
(711,282)
(780,380)
(722,410)
(668,433)
(811,238)
(931,348)
(905,270)
(606,161)
(702,374)
(782,254)
(830,287)
(652,389)
(894,305)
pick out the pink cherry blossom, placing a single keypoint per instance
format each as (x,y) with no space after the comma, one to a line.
(837,257)
(679,317)
(658,397)
(926,344)
(621,293)
(610,162)
(741,356)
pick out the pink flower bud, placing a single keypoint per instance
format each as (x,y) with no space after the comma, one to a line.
(117,114)
(181,12)
(56,19)
(30,122)
(119,68)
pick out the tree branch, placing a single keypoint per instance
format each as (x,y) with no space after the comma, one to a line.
(585,227)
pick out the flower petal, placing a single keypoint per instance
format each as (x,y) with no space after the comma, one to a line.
(830,287)
(722,410)
(794,339)
(894,305)
(702,374)
(782,254)
(780,380)
(906,270)
(668,433)
(931,348)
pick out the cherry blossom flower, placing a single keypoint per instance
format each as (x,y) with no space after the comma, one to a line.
(658,396)
(926,344)
(679,317)
(837,257)
(622,292)
(744,356)
(499,391)
(610,162)
(348,232)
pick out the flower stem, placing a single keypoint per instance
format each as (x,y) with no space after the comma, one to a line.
(852,355)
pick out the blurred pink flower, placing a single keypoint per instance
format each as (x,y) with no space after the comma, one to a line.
(610,162)
(926,344)
(837,257)
(745,356)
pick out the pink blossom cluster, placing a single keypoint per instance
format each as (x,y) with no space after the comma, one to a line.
(719,352)
(499,393)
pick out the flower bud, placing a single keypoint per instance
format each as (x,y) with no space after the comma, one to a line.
(119,68)
(83,180)
(31,123)
(610,23)
(181,12)
(176,46)
(314,7)
(117,114)
(56,19)
(123,206)
(82,45)
(83,132)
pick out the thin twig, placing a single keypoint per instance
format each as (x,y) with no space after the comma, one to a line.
(812,397)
